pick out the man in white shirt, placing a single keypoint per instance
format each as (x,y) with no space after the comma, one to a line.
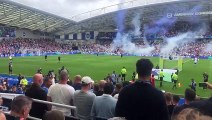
(62,93)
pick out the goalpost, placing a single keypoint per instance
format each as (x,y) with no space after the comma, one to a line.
(175,62)
(170,65)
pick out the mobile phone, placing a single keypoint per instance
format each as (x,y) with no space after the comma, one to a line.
(202,84)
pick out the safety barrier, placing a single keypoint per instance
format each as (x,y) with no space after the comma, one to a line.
(11,96)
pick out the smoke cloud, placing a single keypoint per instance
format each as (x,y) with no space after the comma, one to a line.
(208,47)
(124,40)
(180,40)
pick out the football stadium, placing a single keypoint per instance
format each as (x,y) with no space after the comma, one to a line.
(100,60)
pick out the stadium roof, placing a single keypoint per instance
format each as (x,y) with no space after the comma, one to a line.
(18,15)
(21,16)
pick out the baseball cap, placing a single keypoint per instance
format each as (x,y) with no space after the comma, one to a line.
(87,80)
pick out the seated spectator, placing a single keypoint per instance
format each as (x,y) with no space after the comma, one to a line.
(104,106)
(36,92)
(141,101)
(54,115)
(189,97)
(170,106)
(62,93)
(47,83)
(191,114)
(77,82)
(83,99)
(2,116)
(20,107)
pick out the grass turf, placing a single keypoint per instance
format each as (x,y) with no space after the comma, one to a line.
(97,67)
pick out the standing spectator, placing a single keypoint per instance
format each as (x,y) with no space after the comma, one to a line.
(62,93)
(96,89)
(104,106)
(191,114)
(77,82)
(20,107)
(123,73)
(141,101)
(204,106)
(47,83)
(176,100)
(37,92)
(117,90)
(83,99)
(101,88)
(109,78)
(190,96)
(170,106)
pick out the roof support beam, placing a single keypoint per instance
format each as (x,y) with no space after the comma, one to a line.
(21,18)
(8,13)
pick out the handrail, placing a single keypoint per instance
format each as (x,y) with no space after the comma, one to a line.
(55,104)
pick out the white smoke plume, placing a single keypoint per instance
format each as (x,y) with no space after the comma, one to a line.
(136,23)
(124,41)
(208,47)
(180,40)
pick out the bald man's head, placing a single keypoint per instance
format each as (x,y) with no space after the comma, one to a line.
(38,79)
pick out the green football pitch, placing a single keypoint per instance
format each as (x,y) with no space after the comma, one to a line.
(97,67)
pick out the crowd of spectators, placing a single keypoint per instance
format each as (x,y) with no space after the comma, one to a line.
(107,99)
(43,46)
(26,45)
(198,47)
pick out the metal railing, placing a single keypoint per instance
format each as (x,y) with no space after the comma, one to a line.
(11,96)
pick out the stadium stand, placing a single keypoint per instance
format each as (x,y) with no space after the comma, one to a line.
(37,35)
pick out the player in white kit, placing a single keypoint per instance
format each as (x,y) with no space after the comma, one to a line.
(195,60)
